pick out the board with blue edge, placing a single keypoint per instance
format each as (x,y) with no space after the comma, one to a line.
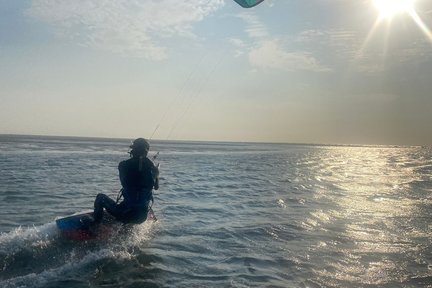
(80,227)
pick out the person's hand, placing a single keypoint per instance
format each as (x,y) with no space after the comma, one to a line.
(156,171)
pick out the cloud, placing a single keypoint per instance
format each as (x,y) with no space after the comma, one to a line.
(129,27)
(269,55)
(254,27)
(239,46)
(369,52)
(237,42)
(344,43)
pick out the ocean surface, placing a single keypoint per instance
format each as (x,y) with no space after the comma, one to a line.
(229,215)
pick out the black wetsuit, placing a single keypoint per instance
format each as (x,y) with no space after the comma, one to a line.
(138,176)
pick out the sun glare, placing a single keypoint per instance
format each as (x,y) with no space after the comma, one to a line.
(390,8)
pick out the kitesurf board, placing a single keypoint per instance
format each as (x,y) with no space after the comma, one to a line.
(80,227)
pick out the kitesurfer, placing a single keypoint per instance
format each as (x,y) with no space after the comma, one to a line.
(138,177)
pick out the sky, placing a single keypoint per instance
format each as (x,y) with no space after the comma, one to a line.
(294,71)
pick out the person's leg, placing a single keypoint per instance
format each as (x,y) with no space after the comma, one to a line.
(103,201)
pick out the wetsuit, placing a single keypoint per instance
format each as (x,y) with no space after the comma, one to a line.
(138,177)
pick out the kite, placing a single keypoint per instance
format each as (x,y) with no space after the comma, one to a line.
(248,3)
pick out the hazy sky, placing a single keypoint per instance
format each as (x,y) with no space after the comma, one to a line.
(315,71)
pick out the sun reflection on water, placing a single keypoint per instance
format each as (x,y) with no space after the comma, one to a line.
(368,214)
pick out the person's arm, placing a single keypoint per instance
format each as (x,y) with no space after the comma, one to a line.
(122,173)
(155,173)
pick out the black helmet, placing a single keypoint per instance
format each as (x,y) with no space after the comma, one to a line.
(140,145)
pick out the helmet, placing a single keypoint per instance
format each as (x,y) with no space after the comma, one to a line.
(140,145)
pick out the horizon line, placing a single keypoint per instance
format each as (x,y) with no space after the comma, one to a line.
(211,141)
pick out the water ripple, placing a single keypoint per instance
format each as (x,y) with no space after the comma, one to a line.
(230,215)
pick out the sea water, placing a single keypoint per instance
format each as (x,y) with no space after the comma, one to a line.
(229,215)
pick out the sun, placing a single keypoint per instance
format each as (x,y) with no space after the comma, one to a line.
(390,8)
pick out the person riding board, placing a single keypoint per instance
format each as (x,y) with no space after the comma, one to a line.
(138,177)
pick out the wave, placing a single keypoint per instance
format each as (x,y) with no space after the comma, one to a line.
(38,256)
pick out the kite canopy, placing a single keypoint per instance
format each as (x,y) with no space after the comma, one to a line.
(248,3)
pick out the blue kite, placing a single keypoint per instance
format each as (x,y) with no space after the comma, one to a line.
(248,3)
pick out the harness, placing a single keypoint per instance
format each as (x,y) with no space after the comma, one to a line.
(120,195)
